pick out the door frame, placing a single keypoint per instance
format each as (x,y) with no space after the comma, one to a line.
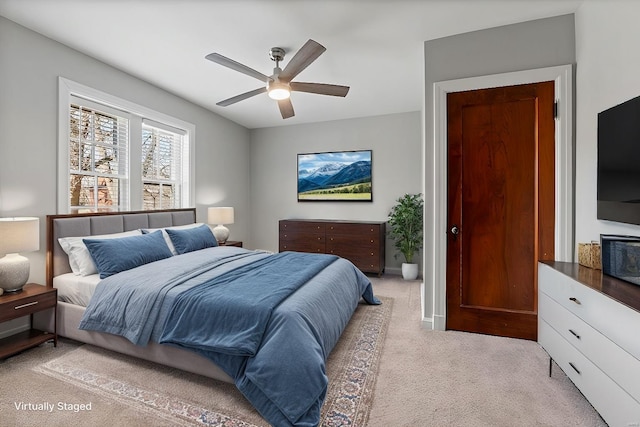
(435,264)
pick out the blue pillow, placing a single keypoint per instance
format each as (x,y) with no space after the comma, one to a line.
(192,239)
(115,255)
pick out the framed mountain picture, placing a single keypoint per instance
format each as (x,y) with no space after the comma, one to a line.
(337,176)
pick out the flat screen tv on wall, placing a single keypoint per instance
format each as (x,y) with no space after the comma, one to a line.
(339,176)
(619,163)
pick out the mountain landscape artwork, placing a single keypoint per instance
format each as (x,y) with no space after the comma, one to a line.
(335,176)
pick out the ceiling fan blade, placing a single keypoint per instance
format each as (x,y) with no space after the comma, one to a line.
(301,60)
(241,97)
(286,108)
(320,88)
(230,63)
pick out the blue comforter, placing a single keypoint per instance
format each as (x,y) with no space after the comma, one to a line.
(268,320)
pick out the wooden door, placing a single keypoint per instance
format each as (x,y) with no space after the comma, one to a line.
(501,206)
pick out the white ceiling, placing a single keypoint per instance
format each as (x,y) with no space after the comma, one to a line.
(373,46)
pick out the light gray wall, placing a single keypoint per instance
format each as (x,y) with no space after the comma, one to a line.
(29,68)
(523,46)
(607,35)
(396,142)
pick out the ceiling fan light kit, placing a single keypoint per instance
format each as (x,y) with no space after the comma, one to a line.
(279,85)
(278,91)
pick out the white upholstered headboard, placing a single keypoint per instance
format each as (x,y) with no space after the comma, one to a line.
(103,223)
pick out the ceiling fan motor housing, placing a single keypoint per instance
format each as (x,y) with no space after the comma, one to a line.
(276,54)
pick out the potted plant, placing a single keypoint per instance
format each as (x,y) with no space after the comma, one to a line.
(406,223)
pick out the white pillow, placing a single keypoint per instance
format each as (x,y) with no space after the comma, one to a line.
(80,259)
(167,239)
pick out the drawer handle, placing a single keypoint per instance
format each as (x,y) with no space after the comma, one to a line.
(574,334)
(574,368)
(18,307)
(576,300)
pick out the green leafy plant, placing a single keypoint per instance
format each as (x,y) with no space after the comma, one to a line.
(405,220)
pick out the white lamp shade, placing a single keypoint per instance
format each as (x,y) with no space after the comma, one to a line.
(20,234)
(220,215)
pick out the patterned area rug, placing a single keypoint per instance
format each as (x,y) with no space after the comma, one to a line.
(186,399)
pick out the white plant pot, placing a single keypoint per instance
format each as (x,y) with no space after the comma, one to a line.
(409,271)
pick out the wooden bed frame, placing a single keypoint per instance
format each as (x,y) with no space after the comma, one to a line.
(69,315)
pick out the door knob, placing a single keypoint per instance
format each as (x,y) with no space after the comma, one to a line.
(455,231)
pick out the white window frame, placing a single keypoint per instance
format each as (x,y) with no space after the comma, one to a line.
(68,89)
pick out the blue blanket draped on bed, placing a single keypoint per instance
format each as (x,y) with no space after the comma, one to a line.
(280,365)
(238,304)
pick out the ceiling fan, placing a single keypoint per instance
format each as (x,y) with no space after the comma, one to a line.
(279,85)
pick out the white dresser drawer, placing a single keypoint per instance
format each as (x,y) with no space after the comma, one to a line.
(615,362)
(615,406)
(616,321)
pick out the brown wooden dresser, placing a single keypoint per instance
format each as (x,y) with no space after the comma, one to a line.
(361,242)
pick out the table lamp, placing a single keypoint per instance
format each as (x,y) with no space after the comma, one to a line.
(17,235)
(220,216)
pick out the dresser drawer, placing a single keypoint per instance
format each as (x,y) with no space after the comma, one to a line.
(354,244)
(312,244)
(353,229)
(616,321)
(616,406)
(619,365)
(302,227)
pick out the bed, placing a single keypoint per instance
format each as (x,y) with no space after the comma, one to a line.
(192,305)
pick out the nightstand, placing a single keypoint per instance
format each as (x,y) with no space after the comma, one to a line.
(232,243)
(32,299)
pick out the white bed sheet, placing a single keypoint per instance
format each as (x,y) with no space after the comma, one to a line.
(76,289)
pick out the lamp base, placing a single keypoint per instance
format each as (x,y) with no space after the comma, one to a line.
(14,272)
(221,233)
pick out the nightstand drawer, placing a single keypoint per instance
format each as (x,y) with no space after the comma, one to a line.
(25,306)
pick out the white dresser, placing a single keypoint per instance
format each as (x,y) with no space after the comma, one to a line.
(590,326)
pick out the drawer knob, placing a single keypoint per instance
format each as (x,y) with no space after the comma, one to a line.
(29,304)
(576,300)
(574,333)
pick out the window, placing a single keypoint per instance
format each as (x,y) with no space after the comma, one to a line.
(115,155)
(162,167)
(98,145)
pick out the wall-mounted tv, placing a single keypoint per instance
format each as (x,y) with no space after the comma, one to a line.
(619,163)
(335,176)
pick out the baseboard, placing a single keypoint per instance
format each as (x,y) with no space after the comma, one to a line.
(396,271)
(14,326)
